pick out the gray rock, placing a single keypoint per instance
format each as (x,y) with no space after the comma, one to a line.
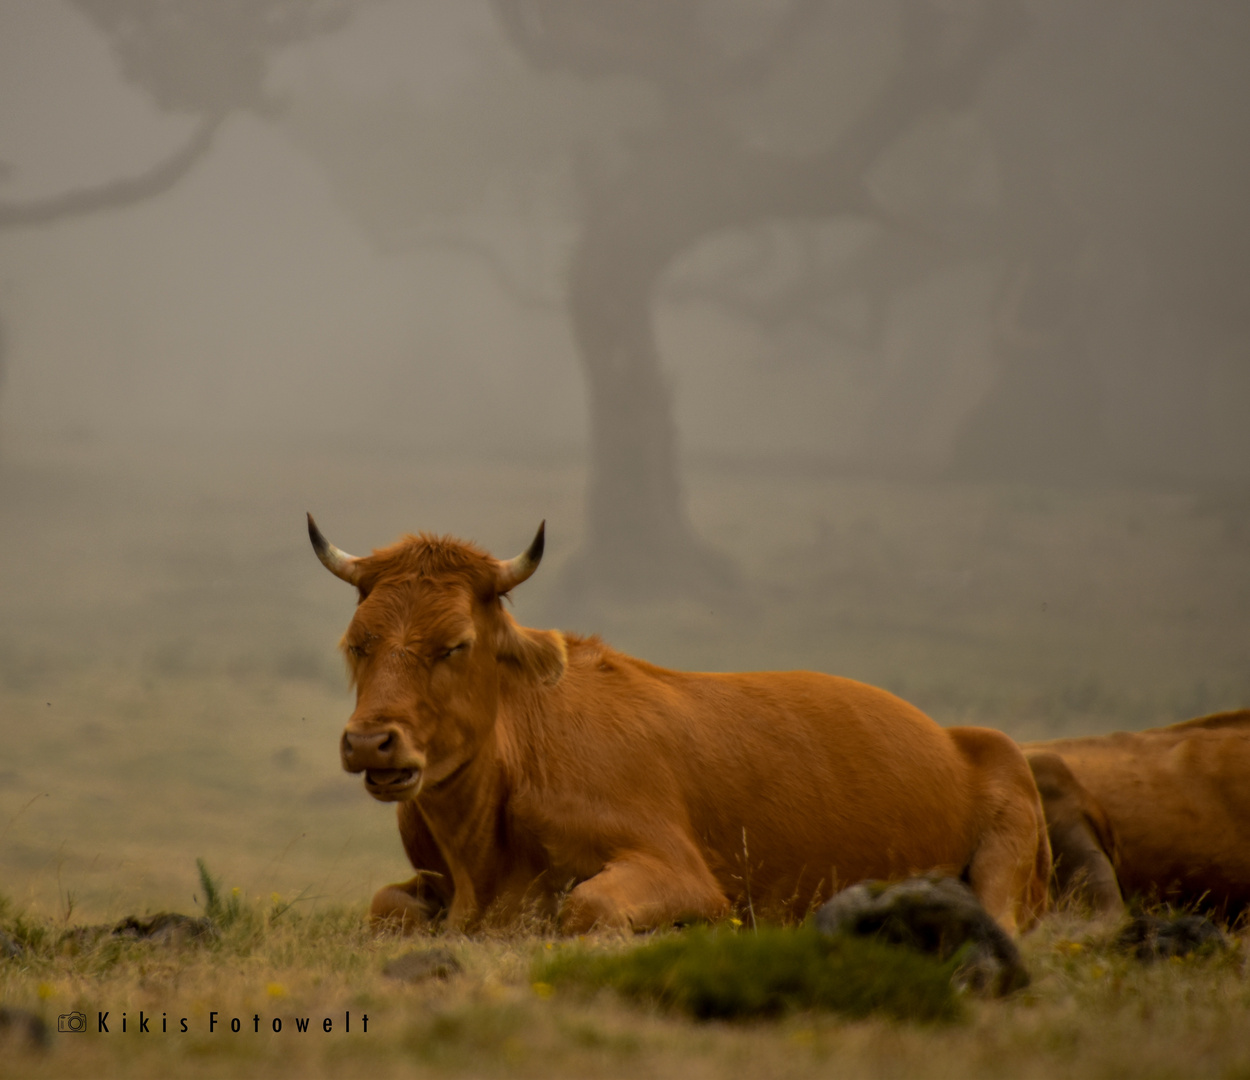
(10,946)
(1151,937)
(935,915)
(22,1028)
(167,927)
(422,964)
(77,938)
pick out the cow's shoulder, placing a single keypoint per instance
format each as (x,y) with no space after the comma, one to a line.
(588,651)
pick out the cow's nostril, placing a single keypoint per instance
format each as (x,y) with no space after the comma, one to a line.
(369,750)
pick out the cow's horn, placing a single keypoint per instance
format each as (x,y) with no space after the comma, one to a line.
(339,563)
(514,571)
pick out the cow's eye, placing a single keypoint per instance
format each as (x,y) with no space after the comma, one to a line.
(454,650)
(357,652)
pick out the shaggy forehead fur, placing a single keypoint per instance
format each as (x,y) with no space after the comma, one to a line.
(449,560)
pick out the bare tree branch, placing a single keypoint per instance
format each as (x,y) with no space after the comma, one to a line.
(886,266)
(114,194)
(504,277)
(655,39)
(762,61)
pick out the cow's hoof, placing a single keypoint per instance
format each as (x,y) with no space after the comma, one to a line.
(395,911)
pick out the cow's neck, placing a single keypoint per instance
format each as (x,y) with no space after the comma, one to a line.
(463,814)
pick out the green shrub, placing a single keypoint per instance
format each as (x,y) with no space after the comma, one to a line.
(721,974)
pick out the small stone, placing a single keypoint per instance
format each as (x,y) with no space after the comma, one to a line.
(10,946)
(421,964)
(20,1027)
(1151,937)
(77,938)
(167,927)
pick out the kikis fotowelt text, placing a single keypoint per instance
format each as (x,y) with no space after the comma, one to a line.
(216,1022)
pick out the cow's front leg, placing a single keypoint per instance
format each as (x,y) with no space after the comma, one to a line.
(639,891)
(422,900)
(407,906)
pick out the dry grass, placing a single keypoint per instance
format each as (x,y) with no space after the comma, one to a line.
(1091,1011)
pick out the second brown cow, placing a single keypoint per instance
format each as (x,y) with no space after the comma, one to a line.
(1162,813)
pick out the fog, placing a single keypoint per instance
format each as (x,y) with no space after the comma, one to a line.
(906,341)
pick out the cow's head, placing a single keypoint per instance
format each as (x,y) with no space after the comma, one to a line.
(426,649)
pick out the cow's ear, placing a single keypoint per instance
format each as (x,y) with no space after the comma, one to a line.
(540,654)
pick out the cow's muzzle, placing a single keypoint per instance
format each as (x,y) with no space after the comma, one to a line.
(392,785)
(390,774)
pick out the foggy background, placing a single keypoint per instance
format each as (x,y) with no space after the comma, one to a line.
(908,341)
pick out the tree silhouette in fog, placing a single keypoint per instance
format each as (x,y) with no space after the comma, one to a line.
(1053,176)
(1101,236)
(689,176)
(1113,224)
(1125,251)
(204,60)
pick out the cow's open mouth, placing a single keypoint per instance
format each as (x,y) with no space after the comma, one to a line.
(389,785)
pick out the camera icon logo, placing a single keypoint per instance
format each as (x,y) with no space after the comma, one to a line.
(75,1021)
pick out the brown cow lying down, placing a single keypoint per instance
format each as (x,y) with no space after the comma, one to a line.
(539,771)
(1163,813)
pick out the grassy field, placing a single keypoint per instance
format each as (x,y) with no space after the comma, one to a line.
(170,690)
(1091,1011)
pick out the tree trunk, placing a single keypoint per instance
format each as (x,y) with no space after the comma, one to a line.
(639,538)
